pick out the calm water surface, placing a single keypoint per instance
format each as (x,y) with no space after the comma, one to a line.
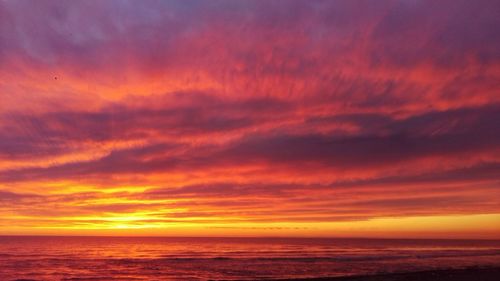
(105,258)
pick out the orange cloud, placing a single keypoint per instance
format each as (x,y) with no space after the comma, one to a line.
(238,115)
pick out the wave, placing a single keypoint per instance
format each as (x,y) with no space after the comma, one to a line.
(309,259)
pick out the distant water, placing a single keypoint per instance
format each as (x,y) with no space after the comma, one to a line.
(105,258)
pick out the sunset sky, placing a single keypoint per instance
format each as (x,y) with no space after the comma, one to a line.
(250,118)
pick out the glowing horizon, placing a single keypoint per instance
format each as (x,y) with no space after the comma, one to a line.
(250,118)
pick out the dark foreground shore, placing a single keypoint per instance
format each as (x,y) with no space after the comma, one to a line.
(466,274)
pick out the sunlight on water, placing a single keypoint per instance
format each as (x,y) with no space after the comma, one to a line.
(106,258)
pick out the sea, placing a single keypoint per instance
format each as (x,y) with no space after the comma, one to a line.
(168,258)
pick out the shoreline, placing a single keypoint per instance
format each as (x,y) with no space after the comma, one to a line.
(462,274)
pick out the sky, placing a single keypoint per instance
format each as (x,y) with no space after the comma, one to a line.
(250,118)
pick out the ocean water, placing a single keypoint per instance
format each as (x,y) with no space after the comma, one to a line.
(126,258)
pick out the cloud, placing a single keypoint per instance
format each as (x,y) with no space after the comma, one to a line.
(437,135)
(202,111)
(6,196)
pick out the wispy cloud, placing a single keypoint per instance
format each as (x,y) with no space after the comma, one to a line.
(204,112)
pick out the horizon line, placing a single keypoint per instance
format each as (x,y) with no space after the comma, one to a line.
(251,237)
